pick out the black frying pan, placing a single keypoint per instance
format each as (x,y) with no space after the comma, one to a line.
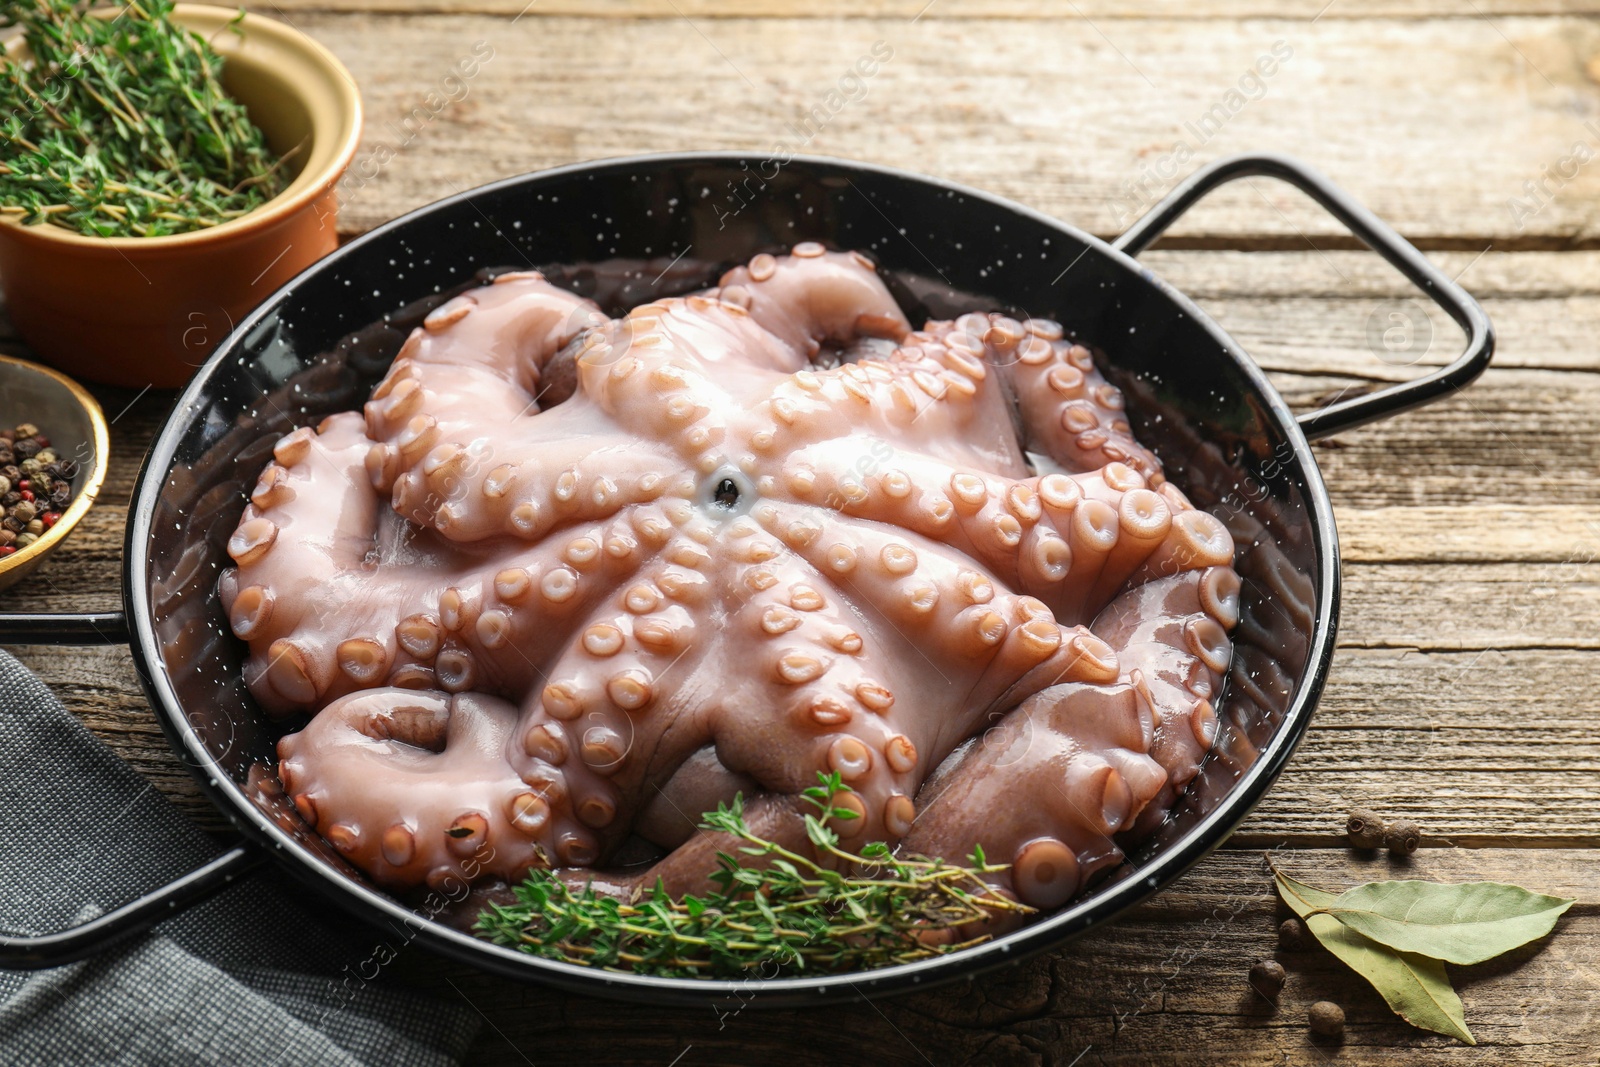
(630,229)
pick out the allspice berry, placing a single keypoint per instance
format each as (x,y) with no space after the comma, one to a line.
(1326,1018)
(1402,837)
(1267,976)
(1293,935)
(1364,828)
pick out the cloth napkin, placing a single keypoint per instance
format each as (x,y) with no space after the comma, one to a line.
(251,976)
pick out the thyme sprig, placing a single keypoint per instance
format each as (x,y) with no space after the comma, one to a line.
(119,126)
(788,914)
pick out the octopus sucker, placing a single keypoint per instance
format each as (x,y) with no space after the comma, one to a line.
(250,610)
(566,581)
(1046,873)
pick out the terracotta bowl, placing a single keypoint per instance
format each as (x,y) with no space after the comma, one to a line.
(71,418)
(138,311)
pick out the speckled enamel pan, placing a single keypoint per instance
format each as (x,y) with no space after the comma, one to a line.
(656,225)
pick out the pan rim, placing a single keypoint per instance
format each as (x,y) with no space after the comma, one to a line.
(1052,932)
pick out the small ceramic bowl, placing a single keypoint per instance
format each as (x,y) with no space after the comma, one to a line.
(138,311)
(66,413)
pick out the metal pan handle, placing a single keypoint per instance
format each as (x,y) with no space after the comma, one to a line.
(1377,234)
(100,933)
(63,628)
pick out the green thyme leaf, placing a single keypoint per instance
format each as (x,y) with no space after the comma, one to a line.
(817,830)
(119,126)
(795,914)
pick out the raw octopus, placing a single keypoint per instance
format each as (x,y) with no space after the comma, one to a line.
(568,581)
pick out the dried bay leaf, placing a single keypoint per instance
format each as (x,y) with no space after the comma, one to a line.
(1464,923)
(1304,899)
(1415,987)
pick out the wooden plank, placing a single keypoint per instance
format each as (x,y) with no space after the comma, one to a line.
(1004,108)
(1556,535)
(1165,984)
(946,10)
(1470,607)
(1347,314)
(1520,438)
(1478,746)
(1488,273)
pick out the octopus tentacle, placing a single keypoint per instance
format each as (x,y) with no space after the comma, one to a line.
(949,610)
(1069,411)
(964,507)
(1073,541)
(816,691)
(343,596)
(410,787)
(1078,753)
(477,492)
(814,295)
(608,724)
(809,300)
(457,443)
(303,551)
(508,331)
(903,398)
(1172,640)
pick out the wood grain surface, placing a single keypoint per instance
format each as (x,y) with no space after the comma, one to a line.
(1166,984)
(1462,693)
(1470,623)
(949,10)
(1437,122)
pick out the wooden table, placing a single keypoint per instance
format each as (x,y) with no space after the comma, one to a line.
(1460,694)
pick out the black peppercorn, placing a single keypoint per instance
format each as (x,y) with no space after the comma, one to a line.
(35,487)
(1293,935)
(1402,837)
(1326,1018)
(1364,828)
(1268,976)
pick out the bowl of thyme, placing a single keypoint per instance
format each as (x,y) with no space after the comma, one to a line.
(164,167)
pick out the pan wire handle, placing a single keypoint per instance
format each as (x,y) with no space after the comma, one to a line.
(38,951)
(63,628)
(1377,235)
